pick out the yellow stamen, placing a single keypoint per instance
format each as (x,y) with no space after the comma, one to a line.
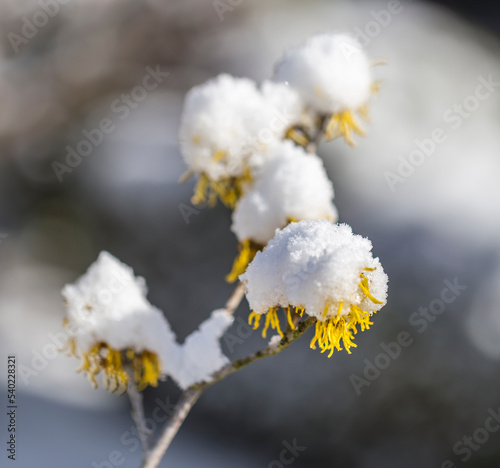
(297,136)
(102,357)
(150,371)
(200,190)
(366,290)
(331,332)
(147,367)
(69,347)
(276,323)
(289,318)
(361,317)
(339,310)
(343,124)
(326,310)
(248,249)
(255,318)
(227,189)
(85,364)
(268,321)
(272,319)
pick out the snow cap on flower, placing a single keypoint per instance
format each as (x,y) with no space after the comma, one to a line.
(323,269)
(330,71)
(291,185)
(111,324)
(225,122)
(332,74)
(217,116)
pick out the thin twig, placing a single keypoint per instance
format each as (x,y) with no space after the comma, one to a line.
(312,146)
(270,350)
(235,299)
(181,410)
(138,416)
(191,395)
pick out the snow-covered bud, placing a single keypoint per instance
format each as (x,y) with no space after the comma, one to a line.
(112,325)
(113,328)
(332,74)
(292,185)
(225,123)
(324,270)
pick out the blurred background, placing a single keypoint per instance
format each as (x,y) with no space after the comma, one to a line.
(69,67)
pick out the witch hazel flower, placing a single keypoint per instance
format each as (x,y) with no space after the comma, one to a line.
(323,270)
(226,126)
(117,333)
(291,185)
(113,326)
(333,75)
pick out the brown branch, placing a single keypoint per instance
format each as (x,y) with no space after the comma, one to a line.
(191,395)
(312,146)
(235,299)
(181,410)
(138,416)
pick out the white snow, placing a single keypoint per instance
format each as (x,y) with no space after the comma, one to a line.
(201,355)
(226,120)
(330,71)
(285,104)
(313,263)
(108,304)
(274,341)
(291,184)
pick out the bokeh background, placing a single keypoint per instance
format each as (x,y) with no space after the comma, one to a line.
(441,223)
